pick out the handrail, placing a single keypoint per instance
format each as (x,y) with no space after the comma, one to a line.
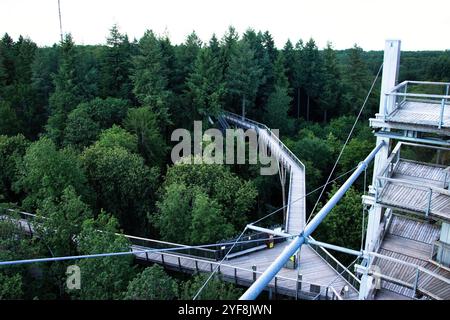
(395,156)
(289,201)
(418,185)
(391,103)
(327,253)
(263,126)
(409,264)
(222,265)
(419,95)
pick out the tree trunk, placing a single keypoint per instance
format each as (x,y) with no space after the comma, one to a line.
(307,109)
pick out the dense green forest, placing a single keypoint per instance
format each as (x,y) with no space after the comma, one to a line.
(85,144)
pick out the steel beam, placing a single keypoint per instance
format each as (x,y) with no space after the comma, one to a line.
(269,231)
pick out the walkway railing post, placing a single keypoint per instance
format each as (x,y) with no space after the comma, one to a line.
(430,193)
(298,285)
(254,273)
(276,285)
(179,263)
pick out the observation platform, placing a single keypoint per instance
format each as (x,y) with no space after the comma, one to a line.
(416,106)
(415,187)
(406,265)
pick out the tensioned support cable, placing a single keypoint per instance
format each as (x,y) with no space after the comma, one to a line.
(346,141)
(133,252)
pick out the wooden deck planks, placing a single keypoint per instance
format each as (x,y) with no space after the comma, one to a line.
(415,198)
(410,241)
(421,113)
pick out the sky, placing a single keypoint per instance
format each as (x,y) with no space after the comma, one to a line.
(420,25)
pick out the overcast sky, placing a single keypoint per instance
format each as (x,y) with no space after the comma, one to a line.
(420,24)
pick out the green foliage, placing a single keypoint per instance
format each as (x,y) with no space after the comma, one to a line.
(67,91)
(152,284)
(205,85)
(87,119)
(62,222)
(343,224)
(46,171)
(8,119)
(215,290)
(11,287)
(144,124)
(235,195)
(150,77)
(174,213)
(242,77)
(107,112)
(356,82)
(117,137)
(190,216)
(329,97)
(116,66)
(123,183)
(276,116)
(103,278)
(81,131)
(12,149)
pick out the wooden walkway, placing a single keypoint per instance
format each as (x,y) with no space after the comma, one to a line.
(296,202)
(317,278)
(411,241)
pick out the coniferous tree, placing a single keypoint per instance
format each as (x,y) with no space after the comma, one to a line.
(329,97)
(355,80)
(150,78)
(276,115)
(242,78)
(67,94)
(116,65)
(310,72)
(205,85)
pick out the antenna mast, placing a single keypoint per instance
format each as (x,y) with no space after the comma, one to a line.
(60,21)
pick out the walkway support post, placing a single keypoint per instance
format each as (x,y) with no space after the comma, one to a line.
(258,286)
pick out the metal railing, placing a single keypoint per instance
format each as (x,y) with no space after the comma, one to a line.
(294,287)
(438,249)
(408,275)
(402,93)
(248,123)
(342,270)
(26,220)
(245,122)
(386,176)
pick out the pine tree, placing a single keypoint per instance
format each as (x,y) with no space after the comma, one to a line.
(205,85)
(310,65)
(276,115)
(331,82)
(67,94)
(356,81)
(242,78)
(150,78)
(115,68)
